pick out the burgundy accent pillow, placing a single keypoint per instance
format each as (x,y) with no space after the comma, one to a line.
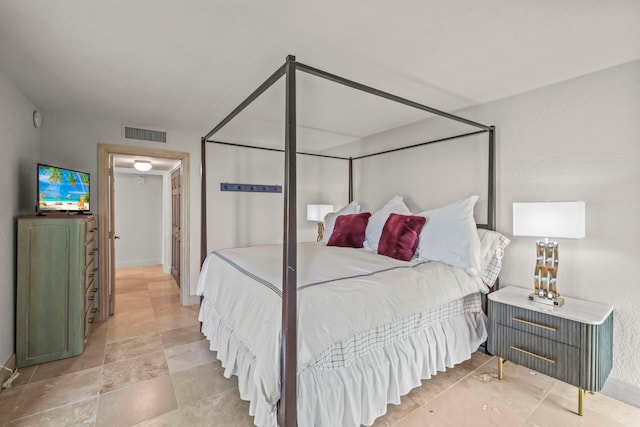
(348,231)
(400,236)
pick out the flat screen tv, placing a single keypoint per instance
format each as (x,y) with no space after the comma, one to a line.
(62,190)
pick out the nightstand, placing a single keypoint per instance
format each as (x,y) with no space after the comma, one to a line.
(572,343)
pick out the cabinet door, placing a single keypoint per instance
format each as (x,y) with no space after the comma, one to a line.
(46,292)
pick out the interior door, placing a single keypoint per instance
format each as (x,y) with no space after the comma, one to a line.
(176,218)
(111,250)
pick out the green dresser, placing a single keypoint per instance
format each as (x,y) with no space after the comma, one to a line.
(56,286)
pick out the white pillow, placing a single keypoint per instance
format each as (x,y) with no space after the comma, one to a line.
(492,246)
(379,218)
(450,236)
(330,218)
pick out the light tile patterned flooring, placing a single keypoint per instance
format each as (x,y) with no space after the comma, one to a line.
(149,366)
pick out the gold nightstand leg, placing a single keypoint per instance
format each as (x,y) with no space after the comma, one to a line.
(500,363)
(580,400)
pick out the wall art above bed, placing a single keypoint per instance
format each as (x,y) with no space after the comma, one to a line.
(250,188)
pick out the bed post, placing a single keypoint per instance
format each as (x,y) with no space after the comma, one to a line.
(350,179)
(287,414)
(203,201)
(491,196)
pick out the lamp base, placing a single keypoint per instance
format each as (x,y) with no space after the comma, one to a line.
(557,301)
(545,288)
(320,232)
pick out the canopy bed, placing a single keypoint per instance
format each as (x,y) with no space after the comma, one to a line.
(325,374)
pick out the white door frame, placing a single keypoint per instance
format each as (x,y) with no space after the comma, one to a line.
(104,150)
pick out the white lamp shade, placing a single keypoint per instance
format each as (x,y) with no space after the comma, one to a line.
(318,212)
(142,165)
(549,219)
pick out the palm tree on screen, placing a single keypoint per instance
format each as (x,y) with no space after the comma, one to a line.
(72,180)
(55,177)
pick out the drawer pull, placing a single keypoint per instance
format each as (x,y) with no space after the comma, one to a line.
(546,359)
(537,325)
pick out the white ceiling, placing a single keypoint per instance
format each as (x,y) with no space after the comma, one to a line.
(186,64)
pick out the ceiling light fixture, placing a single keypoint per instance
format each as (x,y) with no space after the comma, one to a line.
(142,165)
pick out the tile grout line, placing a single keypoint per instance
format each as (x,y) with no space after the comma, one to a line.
(24,386)
(52,409)
(539,403)
(95,417)
(159,334)
(445,390)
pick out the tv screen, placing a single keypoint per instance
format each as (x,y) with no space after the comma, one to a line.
(62,189)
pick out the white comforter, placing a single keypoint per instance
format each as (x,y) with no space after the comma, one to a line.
(341,292)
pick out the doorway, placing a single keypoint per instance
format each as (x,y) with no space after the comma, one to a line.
(106,232)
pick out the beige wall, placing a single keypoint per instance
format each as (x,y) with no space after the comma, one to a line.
(577,140)
(72,140)
(18,194)
(239,219)
(138,219)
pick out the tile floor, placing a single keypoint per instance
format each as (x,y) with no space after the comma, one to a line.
(149,366)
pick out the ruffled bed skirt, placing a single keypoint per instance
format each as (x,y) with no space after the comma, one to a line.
(358,393)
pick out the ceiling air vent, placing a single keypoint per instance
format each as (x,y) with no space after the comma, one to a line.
(145,134)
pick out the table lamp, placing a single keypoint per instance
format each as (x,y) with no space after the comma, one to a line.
(317,213)
(549,220)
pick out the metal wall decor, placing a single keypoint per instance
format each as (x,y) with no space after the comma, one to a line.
(250,188)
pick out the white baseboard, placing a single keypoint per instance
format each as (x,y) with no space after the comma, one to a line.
(138,263)
(622,391)
(11,364)
(191,300)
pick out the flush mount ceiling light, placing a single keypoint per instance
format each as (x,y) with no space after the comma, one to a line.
(142,165)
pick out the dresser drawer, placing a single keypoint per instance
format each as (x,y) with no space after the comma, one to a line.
(90,272)
(89,251)
(89,317)
(90,230)
(547,356)
(89,295)
(536,323)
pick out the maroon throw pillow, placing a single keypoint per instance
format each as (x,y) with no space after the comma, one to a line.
(348,231)
(400,236)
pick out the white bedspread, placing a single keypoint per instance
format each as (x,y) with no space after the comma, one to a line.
(377,290)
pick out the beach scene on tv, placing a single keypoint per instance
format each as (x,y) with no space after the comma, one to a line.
(62,190)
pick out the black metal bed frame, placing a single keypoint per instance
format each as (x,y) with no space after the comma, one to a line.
(288,363)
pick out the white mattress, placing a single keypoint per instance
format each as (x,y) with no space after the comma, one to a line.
(354,307)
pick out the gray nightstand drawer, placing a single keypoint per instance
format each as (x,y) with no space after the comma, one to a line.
(572,343)
(537,323)
(547,356)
